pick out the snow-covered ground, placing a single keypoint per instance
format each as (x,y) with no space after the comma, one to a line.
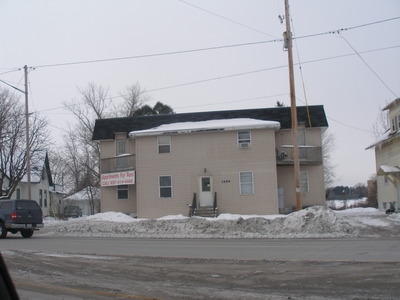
(313,222)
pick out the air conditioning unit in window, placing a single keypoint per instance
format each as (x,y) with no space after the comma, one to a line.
(244,145)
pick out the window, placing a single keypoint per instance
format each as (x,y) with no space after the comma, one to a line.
(165,183)
(244,139)
(45,198)
(164,144)
(304,181)
(41,198)
(395,123)
(121,148)
(122,192)
(246,183)
(18,194)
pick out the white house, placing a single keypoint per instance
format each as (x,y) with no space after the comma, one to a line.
(387,158)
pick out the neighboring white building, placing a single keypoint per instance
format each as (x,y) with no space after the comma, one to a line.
(43,190)
(88,200)
(387,157)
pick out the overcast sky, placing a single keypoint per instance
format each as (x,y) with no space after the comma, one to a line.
(348,50)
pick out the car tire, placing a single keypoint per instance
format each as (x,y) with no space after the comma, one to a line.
(3,231)
(27,233)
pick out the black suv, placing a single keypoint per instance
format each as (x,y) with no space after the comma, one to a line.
(23,216)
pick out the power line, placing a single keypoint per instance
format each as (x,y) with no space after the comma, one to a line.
(246,73)
(368,66)
(264,69)
(154,54)
(194,50)
(227,19)
(347,28)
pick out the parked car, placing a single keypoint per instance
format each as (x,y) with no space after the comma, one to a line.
(72,211)
(24,216)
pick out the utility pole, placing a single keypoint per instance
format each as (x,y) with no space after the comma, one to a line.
(28,148)
(296,164)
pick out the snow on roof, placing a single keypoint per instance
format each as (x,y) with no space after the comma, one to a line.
(382,138)
(210,125)
(384,170)
(84,194)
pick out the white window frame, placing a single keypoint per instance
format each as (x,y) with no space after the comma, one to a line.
(244,142)
(121,146)
(163,187)
(123,188)
(247,184)
(304,181)
(164,142)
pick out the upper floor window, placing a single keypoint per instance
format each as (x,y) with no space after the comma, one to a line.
(121,147)
(164,144)
(246,183)
(244,139)
(396,123)
(304,183)
(165,184)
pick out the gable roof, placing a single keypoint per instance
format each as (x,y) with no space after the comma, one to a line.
(105,129)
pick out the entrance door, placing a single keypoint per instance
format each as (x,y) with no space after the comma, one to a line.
(206,197)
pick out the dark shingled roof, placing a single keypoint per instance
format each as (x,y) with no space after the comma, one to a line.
(105,129)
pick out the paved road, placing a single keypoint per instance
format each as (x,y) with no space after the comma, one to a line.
(104,268)
(288,250)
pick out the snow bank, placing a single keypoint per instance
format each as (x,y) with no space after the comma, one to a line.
(313,222)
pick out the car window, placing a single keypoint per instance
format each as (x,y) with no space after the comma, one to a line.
(27,205)
(6,205)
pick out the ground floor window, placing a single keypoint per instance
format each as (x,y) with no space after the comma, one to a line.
(122,192)
(304,185)
(165,184)
(246,183)
(41,198)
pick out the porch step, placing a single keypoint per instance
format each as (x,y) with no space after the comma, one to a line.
(206,211)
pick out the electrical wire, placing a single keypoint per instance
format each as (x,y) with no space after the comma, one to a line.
(246,73)
(301,76)
(225,18)
(154,54)
(368,66)
(196,50)
(347,28)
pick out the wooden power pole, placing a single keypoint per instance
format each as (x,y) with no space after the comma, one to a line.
(28,148)
(288,45)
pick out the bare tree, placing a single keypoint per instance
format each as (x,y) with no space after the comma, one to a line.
(80,153)
(134,98)
(328,145)
(382,123)
(13,158)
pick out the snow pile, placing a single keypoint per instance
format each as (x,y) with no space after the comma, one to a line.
(345,204)
(313,222)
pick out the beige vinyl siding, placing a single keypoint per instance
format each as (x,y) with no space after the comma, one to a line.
(213,154)
(316,193)
(109,201)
